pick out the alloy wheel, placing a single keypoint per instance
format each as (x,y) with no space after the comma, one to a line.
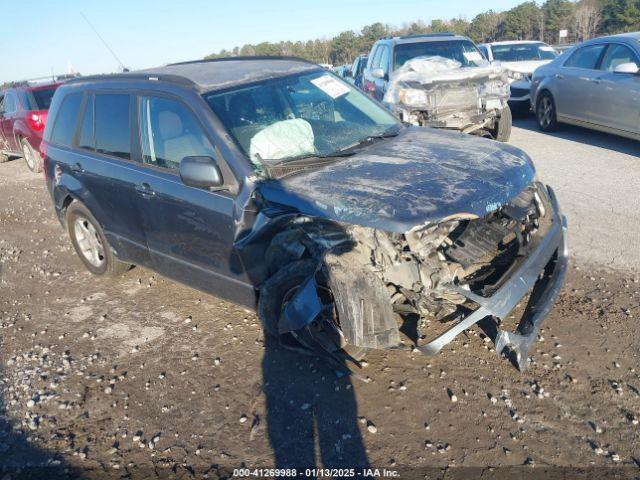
(545,112)
(89,242)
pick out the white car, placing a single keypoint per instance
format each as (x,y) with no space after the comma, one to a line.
(520,58)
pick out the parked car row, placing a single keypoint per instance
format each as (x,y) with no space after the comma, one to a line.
(23,115)
(446,81)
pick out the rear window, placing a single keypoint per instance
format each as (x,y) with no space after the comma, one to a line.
(41,98)
(66,120)
(112,130)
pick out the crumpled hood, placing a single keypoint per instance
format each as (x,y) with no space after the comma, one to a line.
(526,68)
(420,176)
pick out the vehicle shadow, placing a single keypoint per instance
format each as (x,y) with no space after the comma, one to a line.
(20,459)
(582,135)
(309,406)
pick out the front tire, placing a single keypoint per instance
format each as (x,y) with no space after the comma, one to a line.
(90,243)
(546,114)
(31,157)
(274,296)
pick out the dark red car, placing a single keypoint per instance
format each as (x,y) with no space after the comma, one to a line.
(23,113)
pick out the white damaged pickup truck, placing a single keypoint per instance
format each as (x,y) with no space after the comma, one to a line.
(441,81)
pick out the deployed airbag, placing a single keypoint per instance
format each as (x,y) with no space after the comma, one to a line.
(288,138)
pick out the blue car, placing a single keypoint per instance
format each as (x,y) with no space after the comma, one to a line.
(274,184)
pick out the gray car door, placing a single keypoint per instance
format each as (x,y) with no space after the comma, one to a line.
(616,97)
(574,83)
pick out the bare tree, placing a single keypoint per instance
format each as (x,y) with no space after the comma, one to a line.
(587,18)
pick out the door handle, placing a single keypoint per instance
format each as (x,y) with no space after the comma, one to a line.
(597,80)
(559,76)
(76,167)
(145,189)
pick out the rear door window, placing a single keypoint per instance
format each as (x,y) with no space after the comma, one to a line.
(66,120)
(586,57)
(112,124)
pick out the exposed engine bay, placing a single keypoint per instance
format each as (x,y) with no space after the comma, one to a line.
(440,273)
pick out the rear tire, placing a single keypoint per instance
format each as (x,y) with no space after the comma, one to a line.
(546,114)
(90,243)
(31,157)
(502,131)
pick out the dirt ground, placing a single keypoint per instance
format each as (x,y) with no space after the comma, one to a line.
(139,377)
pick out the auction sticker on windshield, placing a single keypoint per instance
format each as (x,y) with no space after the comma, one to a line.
(330,86)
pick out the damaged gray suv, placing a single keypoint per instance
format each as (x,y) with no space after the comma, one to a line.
(274,184)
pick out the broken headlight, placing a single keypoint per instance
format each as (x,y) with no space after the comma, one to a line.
(413,97)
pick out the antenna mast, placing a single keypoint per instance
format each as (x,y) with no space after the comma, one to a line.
(120,64)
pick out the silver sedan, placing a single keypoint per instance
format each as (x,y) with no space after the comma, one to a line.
(595,84)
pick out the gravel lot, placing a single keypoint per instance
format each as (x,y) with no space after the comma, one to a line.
(140,377)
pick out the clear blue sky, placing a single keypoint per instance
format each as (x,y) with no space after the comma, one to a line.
(38,36)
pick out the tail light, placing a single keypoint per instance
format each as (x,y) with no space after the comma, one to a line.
(36,120)
(369,86)
(43,154)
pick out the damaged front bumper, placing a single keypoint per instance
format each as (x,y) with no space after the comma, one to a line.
(464,121)
(541,272)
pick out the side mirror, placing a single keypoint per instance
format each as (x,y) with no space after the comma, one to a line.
(378,73)
(629,67)
(200,172)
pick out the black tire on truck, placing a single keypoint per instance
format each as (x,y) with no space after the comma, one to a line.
(502,129)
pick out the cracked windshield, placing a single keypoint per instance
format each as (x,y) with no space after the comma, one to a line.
(300,116)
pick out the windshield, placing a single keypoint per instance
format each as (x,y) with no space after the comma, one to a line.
(522,52)
(463,51)
(299,116)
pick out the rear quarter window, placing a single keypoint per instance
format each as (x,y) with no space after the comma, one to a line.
(66,120)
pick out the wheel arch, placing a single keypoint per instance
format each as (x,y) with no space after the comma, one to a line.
(68,189)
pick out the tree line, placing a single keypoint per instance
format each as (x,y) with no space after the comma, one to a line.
(583,19)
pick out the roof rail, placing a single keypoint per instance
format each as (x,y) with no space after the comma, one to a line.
(161,77)
(438,34)
(244,57)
